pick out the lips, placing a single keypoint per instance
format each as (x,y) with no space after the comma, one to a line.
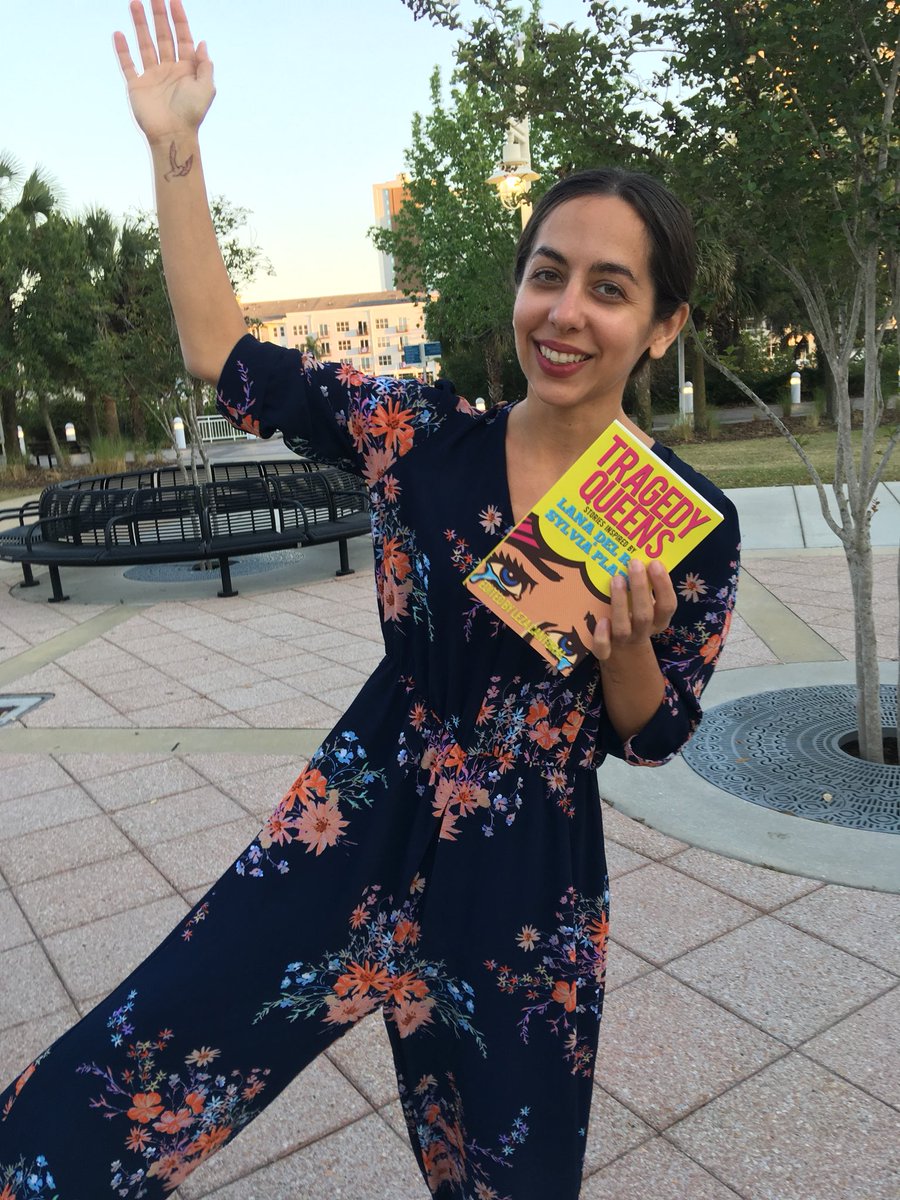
(561,356)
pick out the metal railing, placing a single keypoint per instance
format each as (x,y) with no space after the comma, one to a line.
(218,429)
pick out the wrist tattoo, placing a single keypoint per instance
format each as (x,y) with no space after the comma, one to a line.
(178,169)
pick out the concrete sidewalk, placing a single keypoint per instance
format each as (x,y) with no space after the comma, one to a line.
(750,1040)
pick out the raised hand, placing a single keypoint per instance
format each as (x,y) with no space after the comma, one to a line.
(172,95)
(653,604)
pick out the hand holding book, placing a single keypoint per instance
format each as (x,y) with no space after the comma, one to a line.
(637,610)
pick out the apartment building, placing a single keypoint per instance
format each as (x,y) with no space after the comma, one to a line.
(368,330)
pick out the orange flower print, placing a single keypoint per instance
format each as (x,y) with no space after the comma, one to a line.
(376,464)
(417,716)
(410,1015)
(391,422)
(171,1122)
(392,489)
(348,375)
(359,916)
(361,977)
(320,826)
(309,783)
(8,1193)
(395,560)
(394,598)
(598,930)
(202,1057)
(356,427)
(196,1102)
(537,712)
(709,651)
(210,1141)
(349,1010)
(407,931)
(138,1139)
(253,1089)
(144,1107)
(485,713)
(545,735)
(572,726)
(565,994)
(276,831)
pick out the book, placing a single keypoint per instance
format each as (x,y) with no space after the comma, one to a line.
(549,578)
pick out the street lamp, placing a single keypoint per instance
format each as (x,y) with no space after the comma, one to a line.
(514,176)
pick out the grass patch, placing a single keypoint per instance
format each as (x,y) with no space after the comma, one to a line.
(769,460)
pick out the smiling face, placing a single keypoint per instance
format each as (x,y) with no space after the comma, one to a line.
(584,311)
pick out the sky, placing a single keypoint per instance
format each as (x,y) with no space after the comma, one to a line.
(314,104)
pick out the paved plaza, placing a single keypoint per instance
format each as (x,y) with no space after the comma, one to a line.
(750,1045)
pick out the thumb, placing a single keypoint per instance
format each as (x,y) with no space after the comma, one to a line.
(204,63)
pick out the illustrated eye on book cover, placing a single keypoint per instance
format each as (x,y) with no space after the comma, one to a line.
(549,578)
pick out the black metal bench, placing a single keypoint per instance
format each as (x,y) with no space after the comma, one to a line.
(87,523)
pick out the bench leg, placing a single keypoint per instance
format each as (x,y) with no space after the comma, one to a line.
(29,579)
(346,569)
(225,571)
(57,597)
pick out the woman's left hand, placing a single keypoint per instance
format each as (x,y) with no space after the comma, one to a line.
(653,604)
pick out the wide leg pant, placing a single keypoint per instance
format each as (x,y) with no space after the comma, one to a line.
(376,885)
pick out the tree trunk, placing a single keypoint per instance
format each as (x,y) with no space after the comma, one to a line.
(831,390)
(10,418)
(493,365)
(868,698)
(111,418)
(58,453)
(138,419)
(643,399)
(698,378)
(90,416)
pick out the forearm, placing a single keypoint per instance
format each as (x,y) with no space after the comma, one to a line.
(633,687)
(206,311)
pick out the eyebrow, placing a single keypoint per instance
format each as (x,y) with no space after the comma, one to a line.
(597,268)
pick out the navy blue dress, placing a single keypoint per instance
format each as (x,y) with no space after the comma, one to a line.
(440,858)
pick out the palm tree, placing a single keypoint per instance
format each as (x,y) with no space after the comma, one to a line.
(22,209)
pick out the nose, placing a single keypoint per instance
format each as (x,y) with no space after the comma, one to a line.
(567,311)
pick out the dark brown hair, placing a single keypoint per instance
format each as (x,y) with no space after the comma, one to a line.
(670,230)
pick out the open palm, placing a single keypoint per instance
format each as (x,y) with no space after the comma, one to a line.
(175,89)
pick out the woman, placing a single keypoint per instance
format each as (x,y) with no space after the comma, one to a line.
(441,856)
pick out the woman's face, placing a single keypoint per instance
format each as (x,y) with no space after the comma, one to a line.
(584,309)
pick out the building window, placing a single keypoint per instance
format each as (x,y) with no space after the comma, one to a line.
(323,331)
(323,348)
(385,360)
(363,344)
(282,331)
(343,345)
(402,324)
(366,364)
(362,327)
(343,326)
(295,331)
(381,322)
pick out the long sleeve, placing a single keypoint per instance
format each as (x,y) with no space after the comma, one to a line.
(329,412)
(688,650)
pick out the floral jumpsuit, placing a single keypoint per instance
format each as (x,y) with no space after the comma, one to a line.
(440,858)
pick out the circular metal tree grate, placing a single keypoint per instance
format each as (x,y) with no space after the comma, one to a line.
(782,750)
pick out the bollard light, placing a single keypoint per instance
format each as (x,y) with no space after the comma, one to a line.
(687,399)
(178,428)
(70,432)
(480,404)
(20,434)
(795,388)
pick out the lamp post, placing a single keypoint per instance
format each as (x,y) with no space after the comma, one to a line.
(514,176)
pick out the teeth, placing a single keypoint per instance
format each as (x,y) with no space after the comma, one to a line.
(555,357)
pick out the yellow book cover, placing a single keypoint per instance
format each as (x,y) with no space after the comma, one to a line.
(549,576)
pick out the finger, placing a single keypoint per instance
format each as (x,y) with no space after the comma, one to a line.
(164,39)
(601,646)
(124,55)
(620,618)
(642,603)
(204,63)
(144,40)
(183,31)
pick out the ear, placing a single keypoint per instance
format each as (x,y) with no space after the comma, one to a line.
(665,332)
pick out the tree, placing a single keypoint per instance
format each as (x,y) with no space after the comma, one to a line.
(20,215)
(789,114)
(453,237)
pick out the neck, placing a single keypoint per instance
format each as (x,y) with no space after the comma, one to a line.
(554,435)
